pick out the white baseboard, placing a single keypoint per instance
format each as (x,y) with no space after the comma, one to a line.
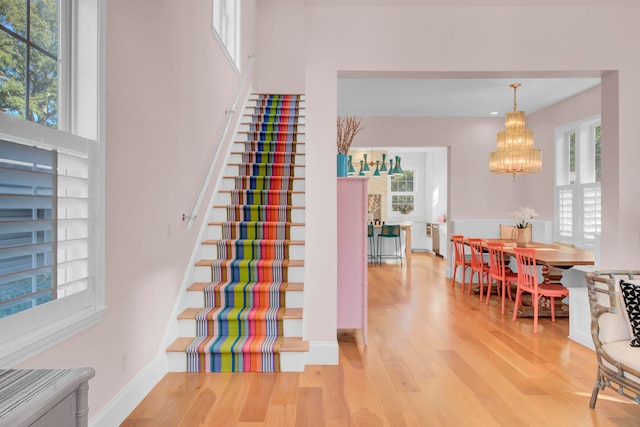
(322,353)
(117,410)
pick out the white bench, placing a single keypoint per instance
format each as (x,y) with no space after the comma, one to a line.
(618,362)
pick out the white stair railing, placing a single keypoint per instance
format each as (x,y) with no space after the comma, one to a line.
(207,179)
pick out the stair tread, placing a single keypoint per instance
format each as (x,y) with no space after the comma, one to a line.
(274,206)
(271,164)
(287,262)
(289,344)
(288,242)
(191,312)
(289,223)
(266,191)
(283,152)
(288,286)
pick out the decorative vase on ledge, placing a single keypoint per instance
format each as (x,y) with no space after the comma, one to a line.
(342,165)
(521,237)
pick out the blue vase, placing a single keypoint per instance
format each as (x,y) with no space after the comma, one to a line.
(342,165)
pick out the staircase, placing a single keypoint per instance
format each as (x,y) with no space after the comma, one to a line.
(245,309)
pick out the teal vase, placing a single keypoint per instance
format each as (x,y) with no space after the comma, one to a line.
(342,165)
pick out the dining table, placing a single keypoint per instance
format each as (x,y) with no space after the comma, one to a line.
(553,259)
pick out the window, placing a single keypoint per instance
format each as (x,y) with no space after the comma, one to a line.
(226,25)
(27,209)
(30,67)
(402,192)
(51,181)
(578,191)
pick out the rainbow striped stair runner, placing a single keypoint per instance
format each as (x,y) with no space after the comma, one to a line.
(246,309)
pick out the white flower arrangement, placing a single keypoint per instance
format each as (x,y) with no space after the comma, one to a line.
(523,216)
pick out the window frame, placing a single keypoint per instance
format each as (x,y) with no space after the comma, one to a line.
(226,30)
(395,213)
(64,42)
(575,224)
(27,333)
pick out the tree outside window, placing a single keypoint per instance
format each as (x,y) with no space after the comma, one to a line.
(29,72)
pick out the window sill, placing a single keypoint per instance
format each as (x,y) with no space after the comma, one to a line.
(20,348)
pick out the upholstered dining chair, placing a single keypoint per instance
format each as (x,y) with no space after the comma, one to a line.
(461,260)
(499,272)
(528,282)
(389,231)
(478,266)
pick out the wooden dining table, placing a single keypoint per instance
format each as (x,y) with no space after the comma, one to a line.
(554,259)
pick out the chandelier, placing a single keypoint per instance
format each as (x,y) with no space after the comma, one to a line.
(375,167)
(515,153)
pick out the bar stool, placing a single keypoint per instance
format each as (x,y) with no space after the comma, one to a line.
(390,232)
(372,244)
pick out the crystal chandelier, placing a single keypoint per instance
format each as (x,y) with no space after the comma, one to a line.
(515,153)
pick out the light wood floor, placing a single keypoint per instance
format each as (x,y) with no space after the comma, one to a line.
(436,357)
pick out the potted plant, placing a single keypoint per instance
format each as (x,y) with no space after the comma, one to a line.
(523,218)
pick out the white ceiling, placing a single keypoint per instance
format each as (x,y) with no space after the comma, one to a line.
(452,97)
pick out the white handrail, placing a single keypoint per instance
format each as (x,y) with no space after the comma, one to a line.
(207,179)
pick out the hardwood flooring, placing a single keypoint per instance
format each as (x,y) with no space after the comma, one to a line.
(436,357)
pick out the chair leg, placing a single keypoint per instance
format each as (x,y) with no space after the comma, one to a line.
(517,303)
(536,308)
(594,393)
(553,309)
(453,278)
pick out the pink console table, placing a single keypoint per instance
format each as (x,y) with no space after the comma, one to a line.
(352,254)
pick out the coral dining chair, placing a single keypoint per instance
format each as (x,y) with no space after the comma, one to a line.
(478,266)
(461,260)
(528,282)
(499,272)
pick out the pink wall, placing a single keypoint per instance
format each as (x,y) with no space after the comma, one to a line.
(280,33)
(168,85)
(471,139)
(575,41)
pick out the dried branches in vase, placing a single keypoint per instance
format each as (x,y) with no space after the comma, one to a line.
(348,128)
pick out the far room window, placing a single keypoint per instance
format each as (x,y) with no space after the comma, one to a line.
(578,190)
(226,25)
(403,192)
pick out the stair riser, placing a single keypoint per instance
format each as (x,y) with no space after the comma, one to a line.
(225,199)
(230,184)
(289,362)
(292,328)
(239,146)
(237,158)
(234,170)
(296,252)
(242,136)
(254,100)
(296,232)
(203,274)
(293,299)
(245,127)
(220,214)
